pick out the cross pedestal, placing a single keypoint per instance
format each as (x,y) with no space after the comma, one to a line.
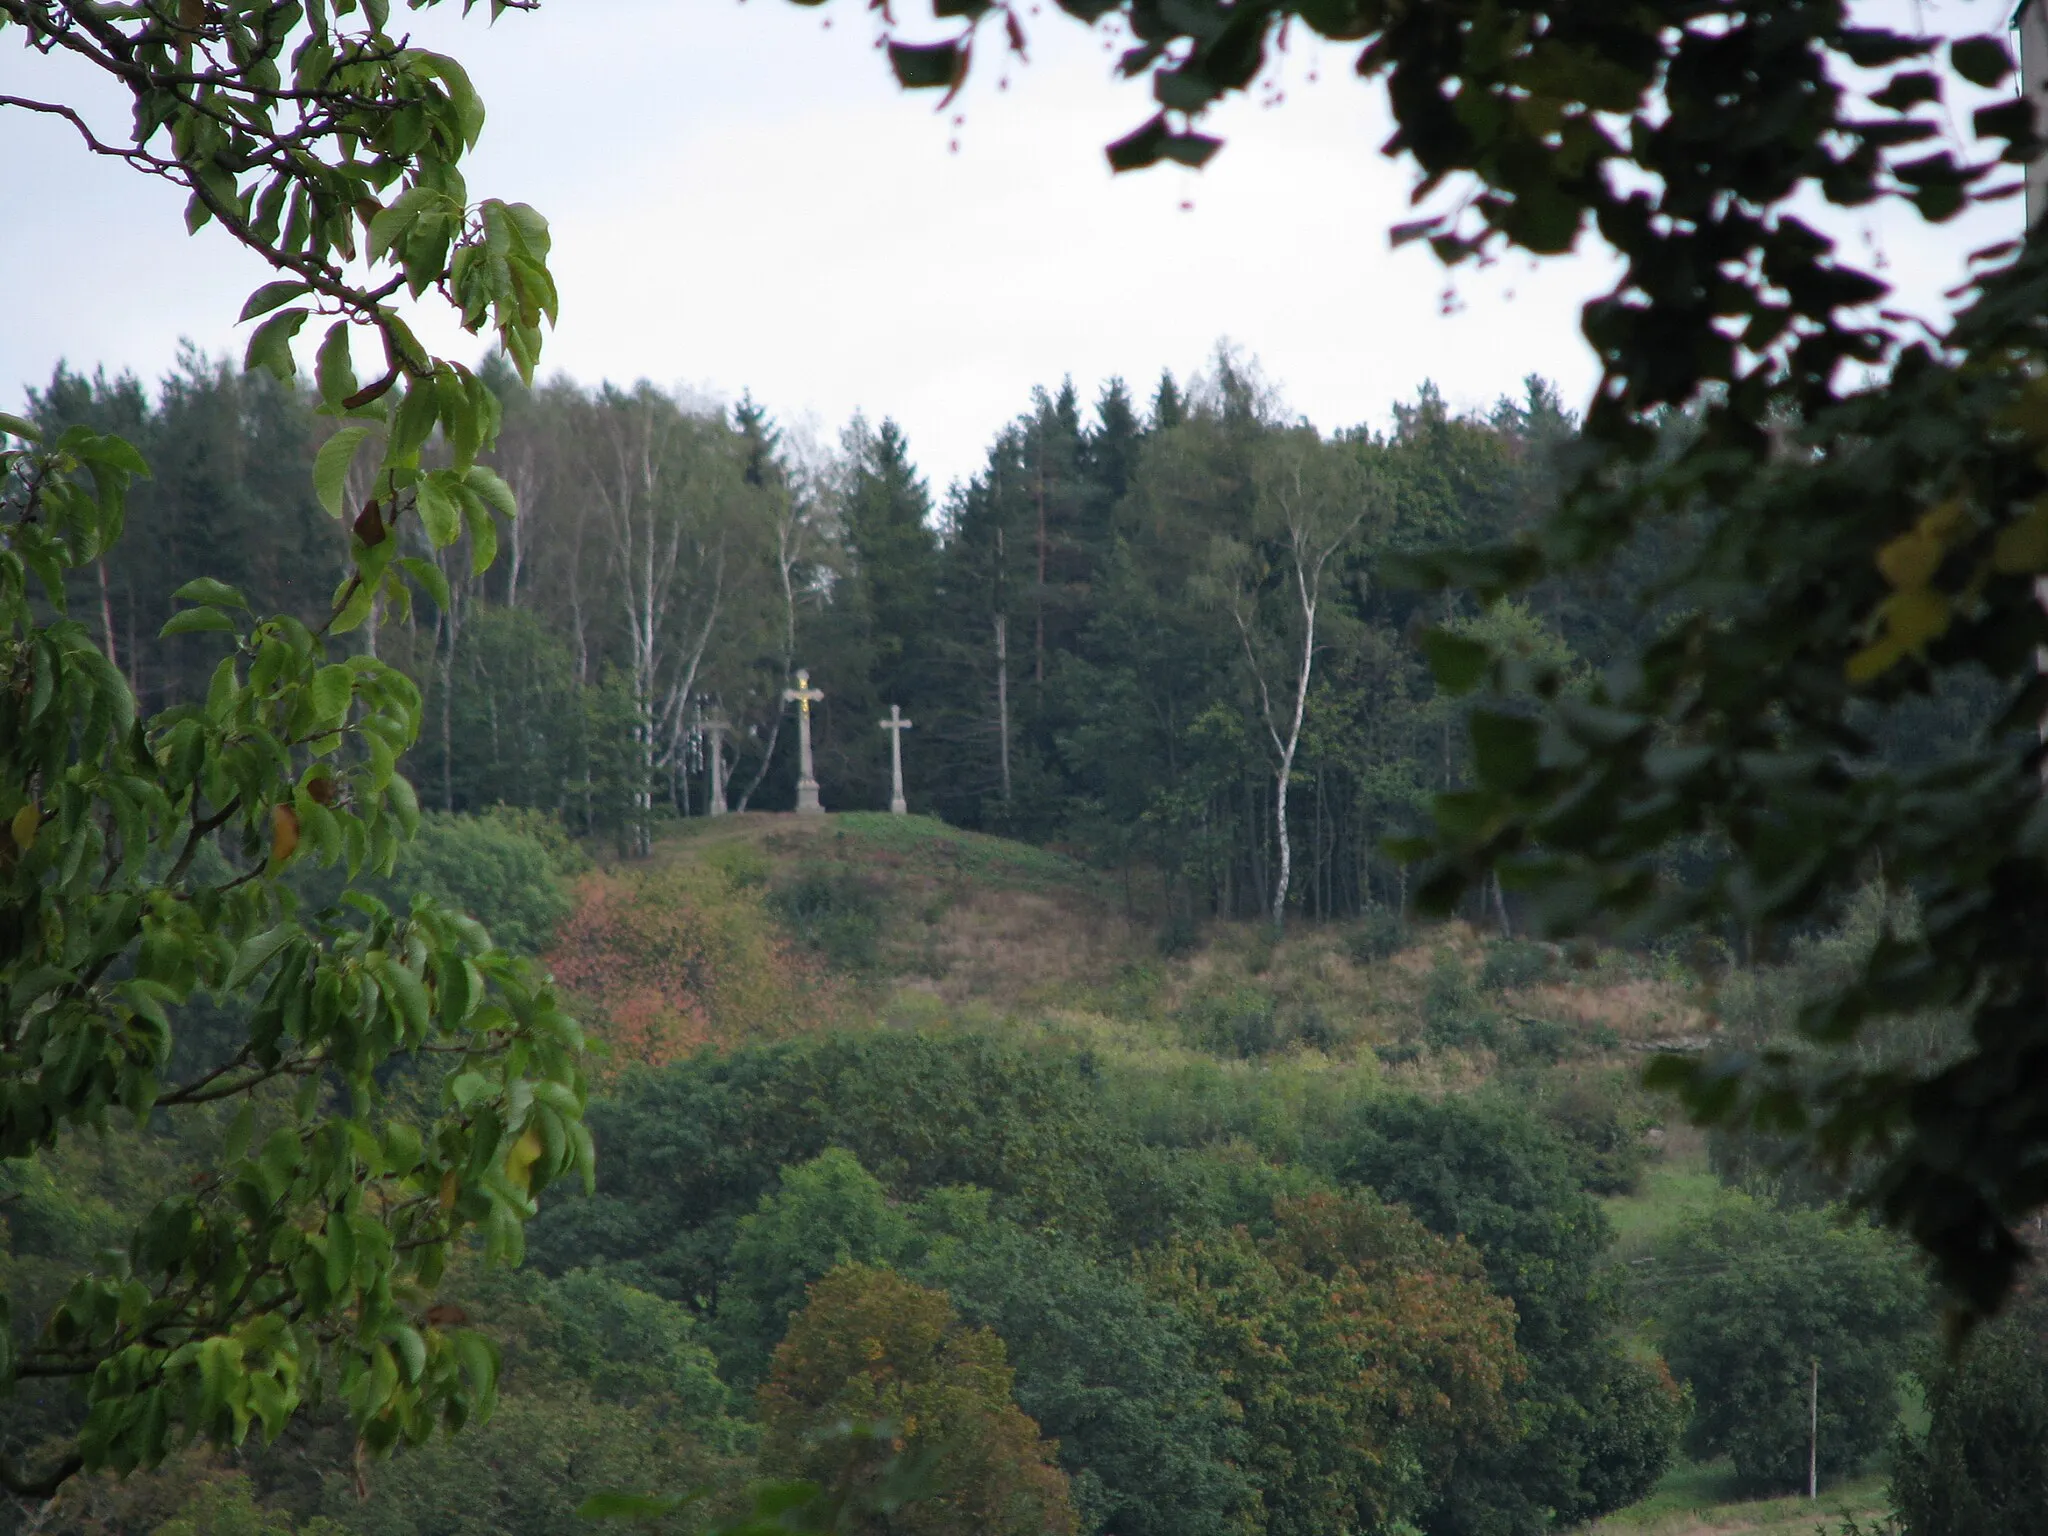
(807,782)
(715,726)
(896,725)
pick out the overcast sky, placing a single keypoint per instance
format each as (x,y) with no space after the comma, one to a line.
(741,199)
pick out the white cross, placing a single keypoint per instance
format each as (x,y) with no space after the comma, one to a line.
(807,782)
(715,726)
(896,725)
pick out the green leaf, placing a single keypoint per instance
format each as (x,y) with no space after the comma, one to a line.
(193,621)
(1458,664)
(413,422)
(14,426)
(412,1352)
(332,688)
(241,1131)
(204,589)
(271,346)
(331,464)
(429,576)
(270,295)
(408,997)
(439,514)
(257,952)
(483,533)
(490,485)
(1503,749)
(333,372)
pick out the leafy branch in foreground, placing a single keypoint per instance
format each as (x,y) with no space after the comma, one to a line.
(142,861)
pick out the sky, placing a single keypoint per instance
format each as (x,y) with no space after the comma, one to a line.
(742,200)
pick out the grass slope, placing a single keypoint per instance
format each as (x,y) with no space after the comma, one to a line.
(866,916)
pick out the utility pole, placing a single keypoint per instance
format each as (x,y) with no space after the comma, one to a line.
(1813,1433)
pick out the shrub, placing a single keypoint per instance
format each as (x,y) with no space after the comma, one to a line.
(1360,1350)
(1258,952)
(673,959)
(1146,1434)
(1983,1463)
(1512,964)
(828,1212)
(1453,1018)
(1381,932)
(871,1346)
(497,871)
(1756,1293)
(834,913)
(1543,1040)
(1602,1118)
(744,865)
(499,868)
(1242,1022)
(1485,1168)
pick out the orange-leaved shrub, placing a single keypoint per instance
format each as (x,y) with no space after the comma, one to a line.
(666,961)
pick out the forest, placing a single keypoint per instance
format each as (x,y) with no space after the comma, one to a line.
(1157,629)
(1105,1148)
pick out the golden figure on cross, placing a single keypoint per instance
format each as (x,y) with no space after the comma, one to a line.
(807,783)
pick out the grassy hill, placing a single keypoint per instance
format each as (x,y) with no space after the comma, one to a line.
(762,926)
(907,917)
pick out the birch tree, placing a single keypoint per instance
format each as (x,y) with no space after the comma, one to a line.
(667,490)
(1310,498)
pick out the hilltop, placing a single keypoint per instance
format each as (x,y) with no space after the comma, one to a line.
(759,926)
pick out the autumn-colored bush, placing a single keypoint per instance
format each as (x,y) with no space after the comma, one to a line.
(1362,1350)
(871,1346)
(666,961)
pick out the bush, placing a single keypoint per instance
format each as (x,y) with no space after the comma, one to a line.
(1755,1294)
(871,1346)
(670,958)
(1602,1118)
(1543,1040)
(1487,1169)
(1146,1434)
(1512,964)
(1983,1463)
(1453,1018)
(835,913)
(1381,932)
(1243,1022)
(487,866)
(827,1212)
(500,868)
(1179,936)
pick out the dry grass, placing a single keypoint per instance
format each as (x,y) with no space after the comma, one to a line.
(979,925)
(1638,1010)
(1022,949)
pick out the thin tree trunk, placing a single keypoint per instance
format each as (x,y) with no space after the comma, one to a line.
(1038,666)
(785,560)
(1003,700)
(107,621)
(450,625)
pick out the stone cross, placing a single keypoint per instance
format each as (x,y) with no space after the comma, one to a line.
(802,696)
(896,725)
(715,726)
